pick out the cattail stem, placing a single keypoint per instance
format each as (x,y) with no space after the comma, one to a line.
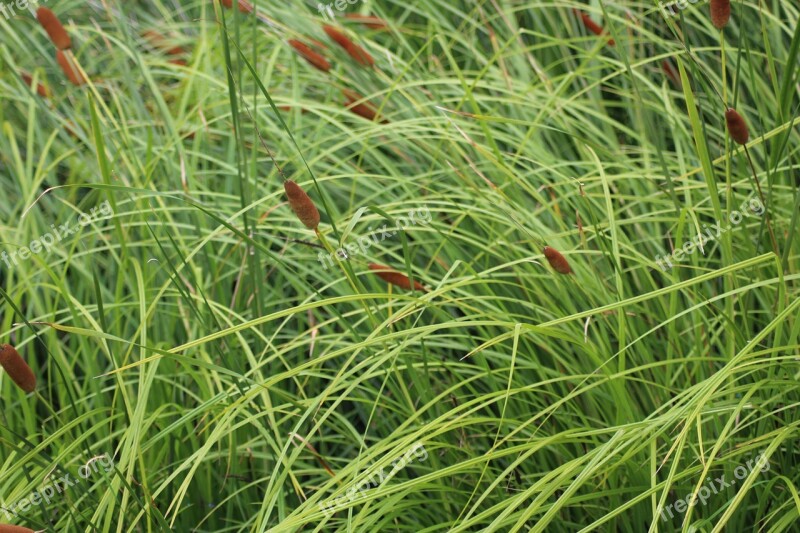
(767,218)
(347,274)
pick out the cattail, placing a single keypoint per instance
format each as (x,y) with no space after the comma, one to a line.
(53,27)
(244,5)
(557,261)
(364,109)
(720,13)
(16,368)
(301,204)
(4,528)
(592,26)
(393,277)
(737,127)
(41,90)
(70,70)
(671,73)
(374,23)
(355,51)
(288,108)
(162,43)
(70,128)
(310,55)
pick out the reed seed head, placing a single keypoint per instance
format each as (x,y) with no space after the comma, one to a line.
(373,23)
(41,90)
(720,13)
(4,528)
(244,5)
(737,127)
(354,50)
(17,369)
(556,260)
(301,204)
(671,73)
(592,26)
(393,277)
(162,43)
(55,30)
(70,70)
(364,109)
(317,60)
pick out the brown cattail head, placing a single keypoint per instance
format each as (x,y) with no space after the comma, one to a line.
(737,127)
(393,277)
(69,68)
(53,27)
(14,529)
(373,23)
(41,90)
(671,73)
(301,204)
(720,13)
(355,51)
(364,109)
(16,368)
(244,5)
(310,55)
(556,260)
(162,43)
(592,26)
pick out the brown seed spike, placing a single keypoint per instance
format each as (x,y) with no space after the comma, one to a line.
(4,528)
(720,13)
(364,109)
(355,51)
(54,28)
(557,261)
(737,127)
(301,204)
(393,277)
(16,368)
(159,41)
(592,26)
(244,5)
(41,90)
(310,55)
(70,70)
(374,23)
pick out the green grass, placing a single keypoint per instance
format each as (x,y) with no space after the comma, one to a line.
(237,383)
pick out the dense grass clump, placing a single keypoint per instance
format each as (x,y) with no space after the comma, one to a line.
(531,272)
